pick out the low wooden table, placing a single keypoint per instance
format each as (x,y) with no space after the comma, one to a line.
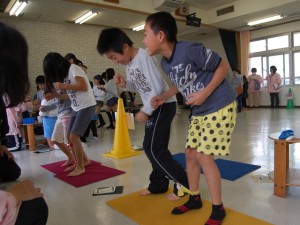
(30,136)
(283,175)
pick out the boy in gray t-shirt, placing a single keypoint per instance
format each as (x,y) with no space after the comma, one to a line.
(144,77)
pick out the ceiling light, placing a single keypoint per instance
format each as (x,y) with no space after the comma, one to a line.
(138,28)
(86,17)
(265,20)
(18,7)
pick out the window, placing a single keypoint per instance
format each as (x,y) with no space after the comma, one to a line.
(278,42)
(277,51)
(296,67)
(296,38)
(258,46)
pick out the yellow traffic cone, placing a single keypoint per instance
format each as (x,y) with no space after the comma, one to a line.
(122,146)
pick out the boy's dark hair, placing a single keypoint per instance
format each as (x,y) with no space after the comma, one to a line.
(110,72)
(112,39)
(99,79)
(163,21)
(40,79)
(103,75)
(13,66)
(253,70)
(273,68)
(56,68)
(70,56)
(237,70)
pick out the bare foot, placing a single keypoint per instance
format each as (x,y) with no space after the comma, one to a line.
(145,192)
(67,163)
(86,162)
(70,168)
(76,172)
(172,197)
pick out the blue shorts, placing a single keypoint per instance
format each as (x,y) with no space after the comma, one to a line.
(48,124)
(112,102)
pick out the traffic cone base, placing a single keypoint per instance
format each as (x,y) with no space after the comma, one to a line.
(122,147)
(116,155)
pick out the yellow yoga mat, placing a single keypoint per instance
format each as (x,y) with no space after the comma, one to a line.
(156,210)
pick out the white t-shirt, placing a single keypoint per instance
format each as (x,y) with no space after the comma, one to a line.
(80,99)
(98,93)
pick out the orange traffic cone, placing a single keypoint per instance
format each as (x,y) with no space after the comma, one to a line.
(122,146)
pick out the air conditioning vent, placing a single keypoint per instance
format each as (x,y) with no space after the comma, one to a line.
(224,11)
(166,5)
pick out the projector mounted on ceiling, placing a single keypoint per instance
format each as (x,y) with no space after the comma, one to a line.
(167,5)
(192,20)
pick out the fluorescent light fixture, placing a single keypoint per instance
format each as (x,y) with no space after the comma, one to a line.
(18,7)
(138,28)
(85,17)
(265,20)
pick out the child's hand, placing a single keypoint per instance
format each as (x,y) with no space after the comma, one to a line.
(141,116)
(24,191)
(42,109)
(119,80)
(196,98)
(49,96)
(4,151)
(59,85)
(157,101)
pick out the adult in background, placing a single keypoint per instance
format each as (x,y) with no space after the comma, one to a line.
(254,88)
(274,82)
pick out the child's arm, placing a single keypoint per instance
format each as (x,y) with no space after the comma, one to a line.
(50,96)
(159,100)
(80,85)
(119,80)
(197,98)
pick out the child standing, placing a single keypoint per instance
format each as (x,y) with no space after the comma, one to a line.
(112,96)
(144,77)
(49,119)
(60,134)
(70,77)
(199,74)
(100,97)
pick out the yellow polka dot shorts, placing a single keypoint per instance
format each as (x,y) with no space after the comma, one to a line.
(211,134)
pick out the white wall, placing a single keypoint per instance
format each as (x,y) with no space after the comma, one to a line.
(64,38)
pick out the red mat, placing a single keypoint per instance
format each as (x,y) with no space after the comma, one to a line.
(94,172)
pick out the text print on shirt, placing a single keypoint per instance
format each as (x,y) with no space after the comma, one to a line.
(72,94)
(139,80)
(185,83)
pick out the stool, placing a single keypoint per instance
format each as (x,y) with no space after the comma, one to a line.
(29,136)
(283,175)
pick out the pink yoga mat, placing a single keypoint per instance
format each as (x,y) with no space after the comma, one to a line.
(94,172)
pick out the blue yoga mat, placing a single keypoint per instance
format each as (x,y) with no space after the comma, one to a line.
(230,170)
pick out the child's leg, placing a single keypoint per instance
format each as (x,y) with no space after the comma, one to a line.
(81,158)
(64,148)
(50,143)
(101,120)
(94,128)
(156,141)
(193,173)
(78,124)
(111,122)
